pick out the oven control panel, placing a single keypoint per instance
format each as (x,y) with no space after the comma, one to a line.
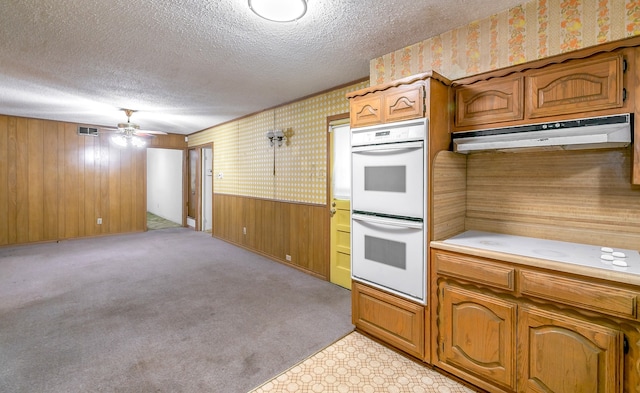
(414,130)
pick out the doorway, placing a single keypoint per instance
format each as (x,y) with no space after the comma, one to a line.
(340,202)
(193,190)
(164,188)
(200,188)
(207,189)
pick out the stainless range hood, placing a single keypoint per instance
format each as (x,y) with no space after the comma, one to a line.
(589,133)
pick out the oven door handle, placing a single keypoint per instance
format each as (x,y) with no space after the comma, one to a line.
(387,221)
(387,147)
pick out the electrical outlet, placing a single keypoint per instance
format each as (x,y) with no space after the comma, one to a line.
(244,230)
(287,257)
(100,221)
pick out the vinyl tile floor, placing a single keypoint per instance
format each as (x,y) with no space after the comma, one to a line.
(157,222)
(356,363)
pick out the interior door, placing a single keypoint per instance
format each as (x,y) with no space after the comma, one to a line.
(207,189)
(193,198)
(340,210)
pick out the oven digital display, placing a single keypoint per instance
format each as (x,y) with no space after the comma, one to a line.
(383,133)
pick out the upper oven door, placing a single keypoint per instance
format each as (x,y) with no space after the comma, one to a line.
(389,179)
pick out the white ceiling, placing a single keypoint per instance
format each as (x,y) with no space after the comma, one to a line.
(191,64)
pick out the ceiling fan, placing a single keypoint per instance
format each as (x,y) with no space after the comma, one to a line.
(130,134)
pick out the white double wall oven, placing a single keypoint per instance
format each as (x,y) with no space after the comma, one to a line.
(388,202)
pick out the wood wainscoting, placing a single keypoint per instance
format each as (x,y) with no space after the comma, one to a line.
(275,229)
(55,184)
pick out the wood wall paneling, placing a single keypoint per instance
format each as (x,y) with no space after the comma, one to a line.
(12,187)
(126,208)
(83,180)
(35,180)
(50,181)
(54,184)
(60,169)
(22,182)
(169,141)
(275,229)
(71,183)
(4,180)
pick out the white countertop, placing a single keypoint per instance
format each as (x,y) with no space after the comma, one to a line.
(573,257)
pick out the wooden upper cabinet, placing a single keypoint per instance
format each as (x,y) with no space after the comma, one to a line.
(408,98)
(394,104)
(592,86)
(579,86)
(488,102)
(404,103)
(366,110)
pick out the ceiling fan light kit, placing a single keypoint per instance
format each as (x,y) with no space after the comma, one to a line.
(279,10)
(129,134)
(125,141)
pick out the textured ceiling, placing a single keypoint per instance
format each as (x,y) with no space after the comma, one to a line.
(191,64)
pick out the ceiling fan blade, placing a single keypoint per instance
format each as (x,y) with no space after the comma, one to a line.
(108,130)
(140,132)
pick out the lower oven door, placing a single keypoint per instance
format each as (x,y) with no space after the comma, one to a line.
(389,254)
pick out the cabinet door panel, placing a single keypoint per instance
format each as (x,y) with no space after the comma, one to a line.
(564,355)
(404,104)
(478,334)
(489,102)
(366,110)
(389,318)
(583,86)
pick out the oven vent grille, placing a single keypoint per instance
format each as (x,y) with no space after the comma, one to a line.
(90,131)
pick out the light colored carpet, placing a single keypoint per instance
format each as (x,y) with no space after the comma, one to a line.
(356,364)
(172,311)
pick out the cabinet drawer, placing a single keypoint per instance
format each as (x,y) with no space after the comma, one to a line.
(474,269)
(489,102)
(389,318)
(366,110)
(580,86)
(582,293)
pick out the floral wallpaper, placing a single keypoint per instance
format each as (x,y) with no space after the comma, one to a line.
(520,34)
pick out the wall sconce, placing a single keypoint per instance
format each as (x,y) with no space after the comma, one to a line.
(276,137)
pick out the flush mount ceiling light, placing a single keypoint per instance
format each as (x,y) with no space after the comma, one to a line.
(279,10)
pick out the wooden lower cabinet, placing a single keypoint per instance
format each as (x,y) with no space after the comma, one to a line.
(505,338)
(478,335)
(567,355)
(396,321)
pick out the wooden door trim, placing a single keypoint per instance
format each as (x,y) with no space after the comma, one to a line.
(199,180)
